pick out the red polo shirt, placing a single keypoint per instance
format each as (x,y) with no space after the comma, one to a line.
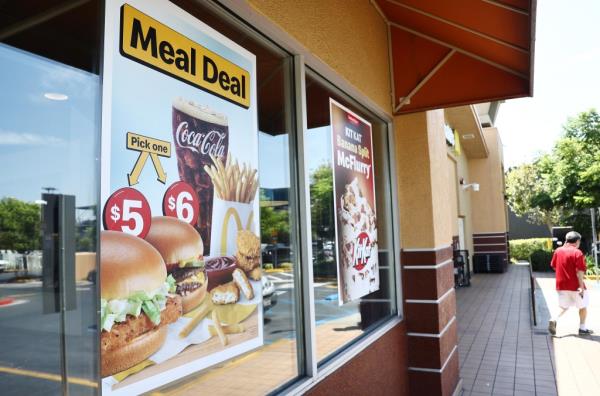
(567,260)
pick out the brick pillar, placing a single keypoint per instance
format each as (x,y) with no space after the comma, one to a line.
(427,268)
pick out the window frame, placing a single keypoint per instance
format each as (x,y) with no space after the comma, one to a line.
(309,374)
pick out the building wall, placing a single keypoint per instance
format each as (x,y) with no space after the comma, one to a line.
(464,199)
(378,370)
(352,40)
(414,182)
(490,239)
(354,45)
(427,271)
(488,203)
(440,184)
(453,196)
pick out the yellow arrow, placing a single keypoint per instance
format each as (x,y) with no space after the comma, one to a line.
(162,176)
(134,176)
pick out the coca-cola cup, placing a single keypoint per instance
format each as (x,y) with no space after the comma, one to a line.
(199,132)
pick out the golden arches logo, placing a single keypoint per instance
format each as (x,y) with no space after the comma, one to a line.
(231,212)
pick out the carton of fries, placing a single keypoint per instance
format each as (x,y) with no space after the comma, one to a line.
(235,188)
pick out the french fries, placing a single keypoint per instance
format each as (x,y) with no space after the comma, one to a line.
(202,312)
(232,182)
(227,329)
(219,328)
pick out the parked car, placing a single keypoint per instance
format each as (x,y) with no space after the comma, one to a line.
(4,265)
(277,254)
(268,292)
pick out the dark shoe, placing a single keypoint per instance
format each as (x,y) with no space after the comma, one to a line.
(586,332)
(552,327)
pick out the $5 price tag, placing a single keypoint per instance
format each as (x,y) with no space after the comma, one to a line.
(181,201)
(127,210)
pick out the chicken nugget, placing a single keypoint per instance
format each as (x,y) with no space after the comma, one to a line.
(240,279)
(225,294)
(255,273)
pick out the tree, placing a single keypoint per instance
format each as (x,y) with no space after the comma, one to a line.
(274,224)
(19,225)
(558,187)
(529,193)
(579,152)
(321,202)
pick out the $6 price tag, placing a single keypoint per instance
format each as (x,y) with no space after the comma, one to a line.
(181,201)
(127,210)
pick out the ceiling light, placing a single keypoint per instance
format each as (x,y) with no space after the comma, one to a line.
(55,96)
(468,136)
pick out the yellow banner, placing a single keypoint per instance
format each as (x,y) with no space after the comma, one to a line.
(148,147)
(151,43)
(143,143)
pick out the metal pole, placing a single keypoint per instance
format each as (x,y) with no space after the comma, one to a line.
(594,241)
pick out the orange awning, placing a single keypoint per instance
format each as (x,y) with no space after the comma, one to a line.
(454,52)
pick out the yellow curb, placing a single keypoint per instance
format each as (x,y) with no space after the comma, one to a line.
(276,270)
(47,376)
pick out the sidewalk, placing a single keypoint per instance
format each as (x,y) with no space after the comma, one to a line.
(499,350)
(577,359)
(502,353)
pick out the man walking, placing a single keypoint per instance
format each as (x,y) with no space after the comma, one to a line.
(569,263)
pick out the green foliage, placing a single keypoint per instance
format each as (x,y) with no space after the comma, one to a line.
(19,225)
(591,266)
(528,191)
(557,187)
(521,249)
(85,238)
(321,203)
(267,266)
(274,223)
(540,260)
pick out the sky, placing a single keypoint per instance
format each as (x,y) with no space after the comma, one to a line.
(566,79)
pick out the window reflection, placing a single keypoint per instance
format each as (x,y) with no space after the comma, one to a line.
(276,363)
(48,144)
(338,326)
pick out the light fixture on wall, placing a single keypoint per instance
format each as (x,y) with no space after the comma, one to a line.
(465,186)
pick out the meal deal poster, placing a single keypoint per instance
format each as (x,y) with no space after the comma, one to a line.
(180,277)
(354,203)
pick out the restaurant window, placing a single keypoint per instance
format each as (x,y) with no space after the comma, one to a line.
(278,361)
(338,325)
(50,121)
(49,182)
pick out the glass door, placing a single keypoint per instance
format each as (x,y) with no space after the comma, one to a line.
(49,180)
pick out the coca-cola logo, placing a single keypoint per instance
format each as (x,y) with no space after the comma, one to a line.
(362,251)
(209,143)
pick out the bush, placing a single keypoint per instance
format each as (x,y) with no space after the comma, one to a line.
(540,260)
(591,266)
(267,266)
(521,249)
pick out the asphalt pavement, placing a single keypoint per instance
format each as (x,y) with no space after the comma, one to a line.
(30,353)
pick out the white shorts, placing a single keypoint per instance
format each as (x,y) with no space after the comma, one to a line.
(567,299)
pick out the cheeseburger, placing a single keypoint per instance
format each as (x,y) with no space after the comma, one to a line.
(136,301)
(181,248)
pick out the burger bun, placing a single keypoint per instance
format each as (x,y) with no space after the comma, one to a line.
(139,349)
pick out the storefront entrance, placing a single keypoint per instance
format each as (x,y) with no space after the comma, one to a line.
(49,149)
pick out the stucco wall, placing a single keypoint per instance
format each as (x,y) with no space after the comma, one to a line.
(414,183)
(348,35)
(378,370)
(423,182)
(464,199)
(440,184)
(488,206)
(453,196)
